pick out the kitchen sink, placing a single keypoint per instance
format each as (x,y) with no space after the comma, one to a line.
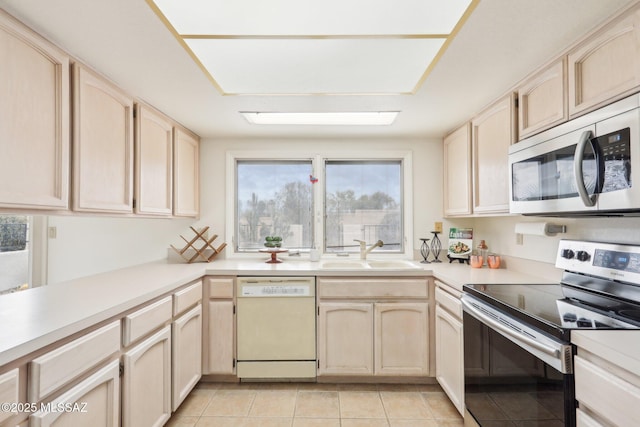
(393,265)
(369,265)
(344,265)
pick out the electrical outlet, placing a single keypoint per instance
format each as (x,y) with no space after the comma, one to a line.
(53,232)
(519,238)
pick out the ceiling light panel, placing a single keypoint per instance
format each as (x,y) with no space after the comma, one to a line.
(305,47)
(381,118)
(312,17)
(316,66)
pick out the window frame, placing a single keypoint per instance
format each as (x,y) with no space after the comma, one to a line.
(318,161)
(236,201)
(402,208)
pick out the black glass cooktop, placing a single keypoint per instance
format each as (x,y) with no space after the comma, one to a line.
(558,308)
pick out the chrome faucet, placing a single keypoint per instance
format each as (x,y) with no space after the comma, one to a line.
(363,247)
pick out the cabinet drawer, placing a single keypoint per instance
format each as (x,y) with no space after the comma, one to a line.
(9,390)
(449,302)
(220,287)
(56,368)
(95,402)
(372,288)
(138,324)
(187,298)
(584,420)
(606,394)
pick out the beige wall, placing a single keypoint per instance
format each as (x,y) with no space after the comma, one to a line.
(427,173)
(87,245)
(501,238)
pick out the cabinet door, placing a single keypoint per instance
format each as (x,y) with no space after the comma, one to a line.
(93,402)
(102,145)
(186,184)
(221,338)
(401,337)
(187,354)
(146,384)
(492,132)
(600,390)
(154,163)
(542,100)
(450,357)
(457,172)
(9,390)
(345,339)
(34,120)
(606,66)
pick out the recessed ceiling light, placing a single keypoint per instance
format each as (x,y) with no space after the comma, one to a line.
(324,118)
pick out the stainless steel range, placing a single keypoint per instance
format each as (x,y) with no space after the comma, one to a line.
(517,338)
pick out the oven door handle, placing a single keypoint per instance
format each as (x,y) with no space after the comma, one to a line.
(513,334)
(587,199)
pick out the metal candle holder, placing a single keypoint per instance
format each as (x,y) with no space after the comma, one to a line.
(436,246)
(424,251)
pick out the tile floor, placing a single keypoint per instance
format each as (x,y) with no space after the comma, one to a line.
(316,405)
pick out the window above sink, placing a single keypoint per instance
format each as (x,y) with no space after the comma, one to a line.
(324,202)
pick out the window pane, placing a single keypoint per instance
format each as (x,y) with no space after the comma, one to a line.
(274,198)
(14,253)
(363,200)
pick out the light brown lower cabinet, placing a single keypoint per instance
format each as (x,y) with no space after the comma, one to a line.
(368,338)
(146,383)
(450,356)
(9,390)
(94,401)
(612,399)
(401,332)
(219,349)
(187,354)
(345,339)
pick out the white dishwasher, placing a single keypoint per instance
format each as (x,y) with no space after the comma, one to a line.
(276,327)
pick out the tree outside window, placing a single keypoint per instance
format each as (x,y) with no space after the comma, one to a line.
(274,198)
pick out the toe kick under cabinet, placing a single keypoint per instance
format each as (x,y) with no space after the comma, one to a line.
(373,326)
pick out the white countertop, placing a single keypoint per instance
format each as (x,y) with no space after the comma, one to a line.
(37,317)
(619,347)
(457,275)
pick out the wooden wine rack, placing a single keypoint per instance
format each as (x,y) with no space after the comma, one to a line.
(199,243)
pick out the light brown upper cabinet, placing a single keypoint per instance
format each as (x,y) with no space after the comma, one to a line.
(457,172)
(186,185)
(154,163)
(102,145)
(34,120)
(542,100)
(492,132)
(606,66)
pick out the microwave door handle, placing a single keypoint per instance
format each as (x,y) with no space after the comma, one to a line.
(587,199)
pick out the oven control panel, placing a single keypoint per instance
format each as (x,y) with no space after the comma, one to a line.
(612,261)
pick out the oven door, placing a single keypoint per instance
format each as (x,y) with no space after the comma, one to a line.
(514,375)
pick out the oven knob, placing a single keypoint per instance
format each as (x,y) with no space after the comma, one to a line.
(583,256)
(567,253)
(584,323)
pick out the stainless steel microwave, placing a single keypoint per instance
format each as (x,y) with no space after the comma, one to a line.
(586,166)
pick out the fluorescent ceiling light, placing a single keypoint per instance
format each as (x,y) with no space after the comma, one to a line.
(334,118)
(333,47)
